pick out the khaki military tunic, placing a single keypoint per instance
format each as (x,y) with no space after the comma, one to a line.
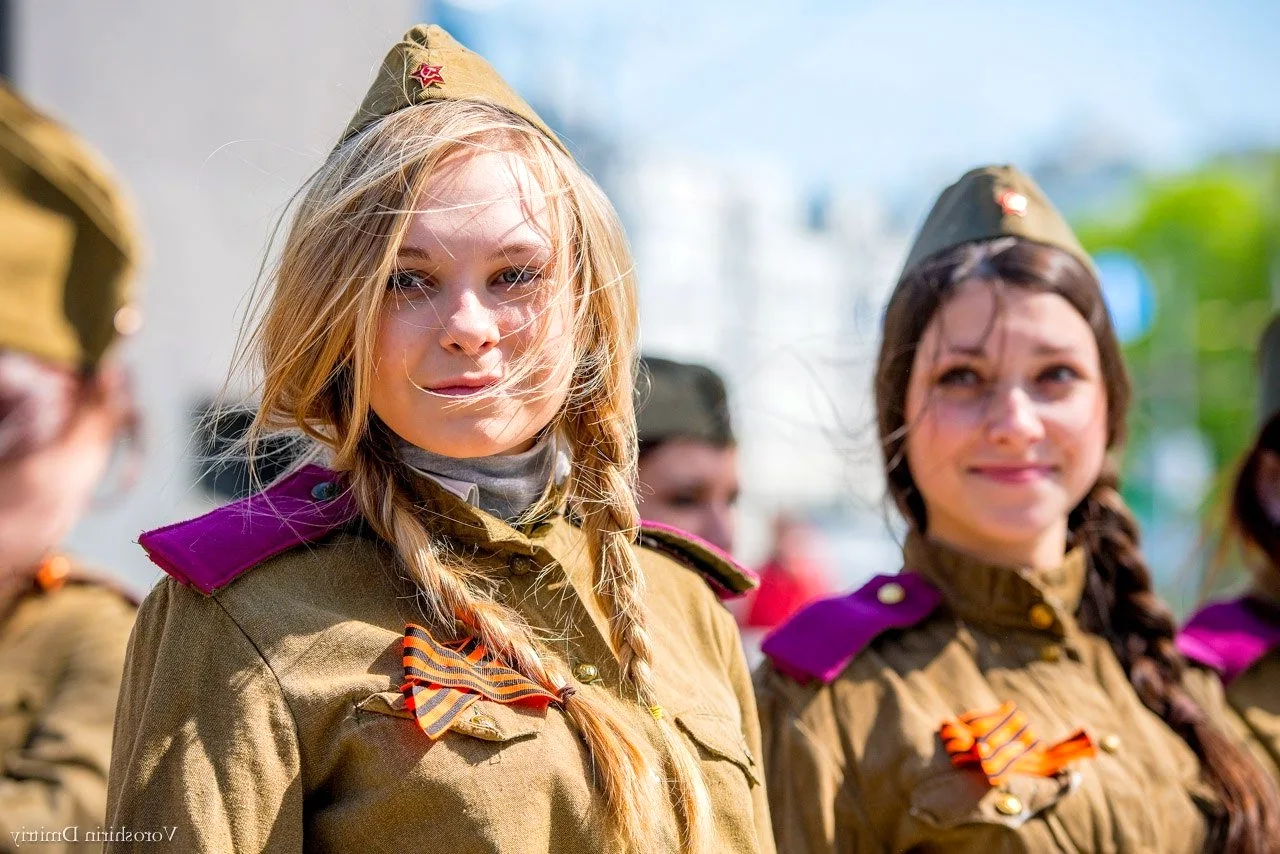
(857,765)
(61,655)
(267,716)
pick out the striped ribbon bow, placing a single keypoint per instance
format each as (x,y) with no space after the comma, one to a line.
(1000,743)
(443,680)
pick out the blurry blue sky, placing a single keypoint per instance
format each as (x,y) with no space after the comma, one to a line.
(882,96)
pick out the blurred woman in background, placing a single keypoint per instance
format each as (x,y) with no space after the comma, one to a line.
(688,464)
(67,250)
(1239,639)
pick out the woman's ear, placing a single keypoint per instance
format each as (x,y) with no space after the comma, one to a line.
(1268,485)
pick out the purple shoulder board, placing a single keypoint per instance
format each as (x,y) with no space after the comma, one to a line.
(210,551)
(728,578)
(825,636)
(1228,637)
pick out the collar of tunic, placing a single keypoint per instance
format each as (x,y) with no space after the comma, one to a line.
(992,595)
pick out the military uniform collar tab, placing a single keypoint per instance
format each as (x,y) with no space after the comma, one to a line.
(728,578)
(821,640)
(1230,636)
(212,550)
(984,593)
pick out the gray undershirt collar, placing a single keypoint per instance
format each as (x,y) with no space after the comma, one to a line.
(505,485)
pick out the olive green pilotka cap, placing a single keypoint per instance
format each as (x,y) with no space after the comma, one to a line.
(990,202)
(1269,371)
(428,64)
(675,400)
(67,243)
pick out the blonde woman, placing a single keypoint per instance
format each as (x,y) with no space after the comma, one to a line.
(455,634)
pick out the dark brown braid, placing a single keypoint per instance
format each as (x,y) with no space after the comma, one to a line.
(1119,603)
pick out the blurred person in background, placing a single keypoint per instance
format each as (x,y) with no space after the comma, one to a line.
(688,466)
(790,579)
(446,637)
(1016,687)
(67,251)
(1239,639)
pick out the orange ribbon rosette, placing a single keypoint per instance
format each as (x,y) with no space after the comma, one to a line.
(1000,743)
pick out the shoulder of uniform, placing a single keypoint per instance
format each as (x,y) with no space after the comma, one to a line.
(1228,637)
(212,550)
(728,578)
(823,637)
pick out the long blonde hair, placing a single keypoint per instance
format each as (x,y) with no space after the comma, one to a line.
(314,345)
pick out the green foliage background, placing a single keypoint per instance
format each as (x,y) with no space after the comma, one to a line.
(1209,241)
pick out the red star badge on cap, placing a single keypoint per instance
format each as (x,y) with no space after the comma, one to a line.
(1013,203)
(428,75)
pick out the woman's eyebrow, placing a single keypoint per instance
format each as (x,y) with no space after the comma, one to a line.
(522,248)
(415,253)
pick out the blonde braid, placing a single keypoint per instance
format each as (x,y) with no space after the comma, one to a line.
(622,765)
(605,453)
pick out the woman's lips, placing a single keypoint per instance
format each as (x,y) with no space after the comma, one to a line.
(459,390)
(1013,474)
(462,386)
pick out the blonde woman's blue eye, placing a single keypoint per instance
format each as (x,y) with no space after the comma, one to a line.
(404,280)
(516,277)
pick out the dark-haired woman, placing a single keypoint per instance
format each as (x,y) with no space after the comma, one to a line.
(1239,640)
(66,247)
(1016,687)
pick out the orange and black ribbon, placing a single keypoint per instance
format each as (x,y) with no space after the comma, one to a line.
(1000,743)
(443,680)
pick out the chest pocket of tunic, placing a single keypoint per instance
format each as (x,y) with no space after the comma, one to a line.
(952,799)
(483,720)
(718,739)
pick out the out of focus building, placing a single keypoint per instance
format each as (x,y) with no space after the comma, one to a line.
(779,290)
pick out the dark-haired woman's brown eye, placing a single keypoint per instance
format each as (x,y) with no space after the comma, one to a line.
(1058,375)
(960,378)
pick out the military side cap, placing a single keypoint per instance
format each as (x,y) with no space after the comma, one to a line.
(67,242)
(675,400)
(991,202)
(428,64)
(1269,371)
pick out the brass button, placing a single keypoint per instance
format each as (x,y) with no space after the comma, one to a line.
(324,491)
(1051,653)
(1041,616)
(891,593)
(585,672)
(484,722)
(1110,743)
(1008,805)
(522,565)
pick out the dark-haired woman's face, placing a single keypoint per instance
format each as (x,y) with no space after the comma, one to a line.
(1007,418)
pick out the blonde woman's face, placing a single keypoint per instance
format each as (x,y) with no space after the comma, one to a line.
(1007,414)
(474,352)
